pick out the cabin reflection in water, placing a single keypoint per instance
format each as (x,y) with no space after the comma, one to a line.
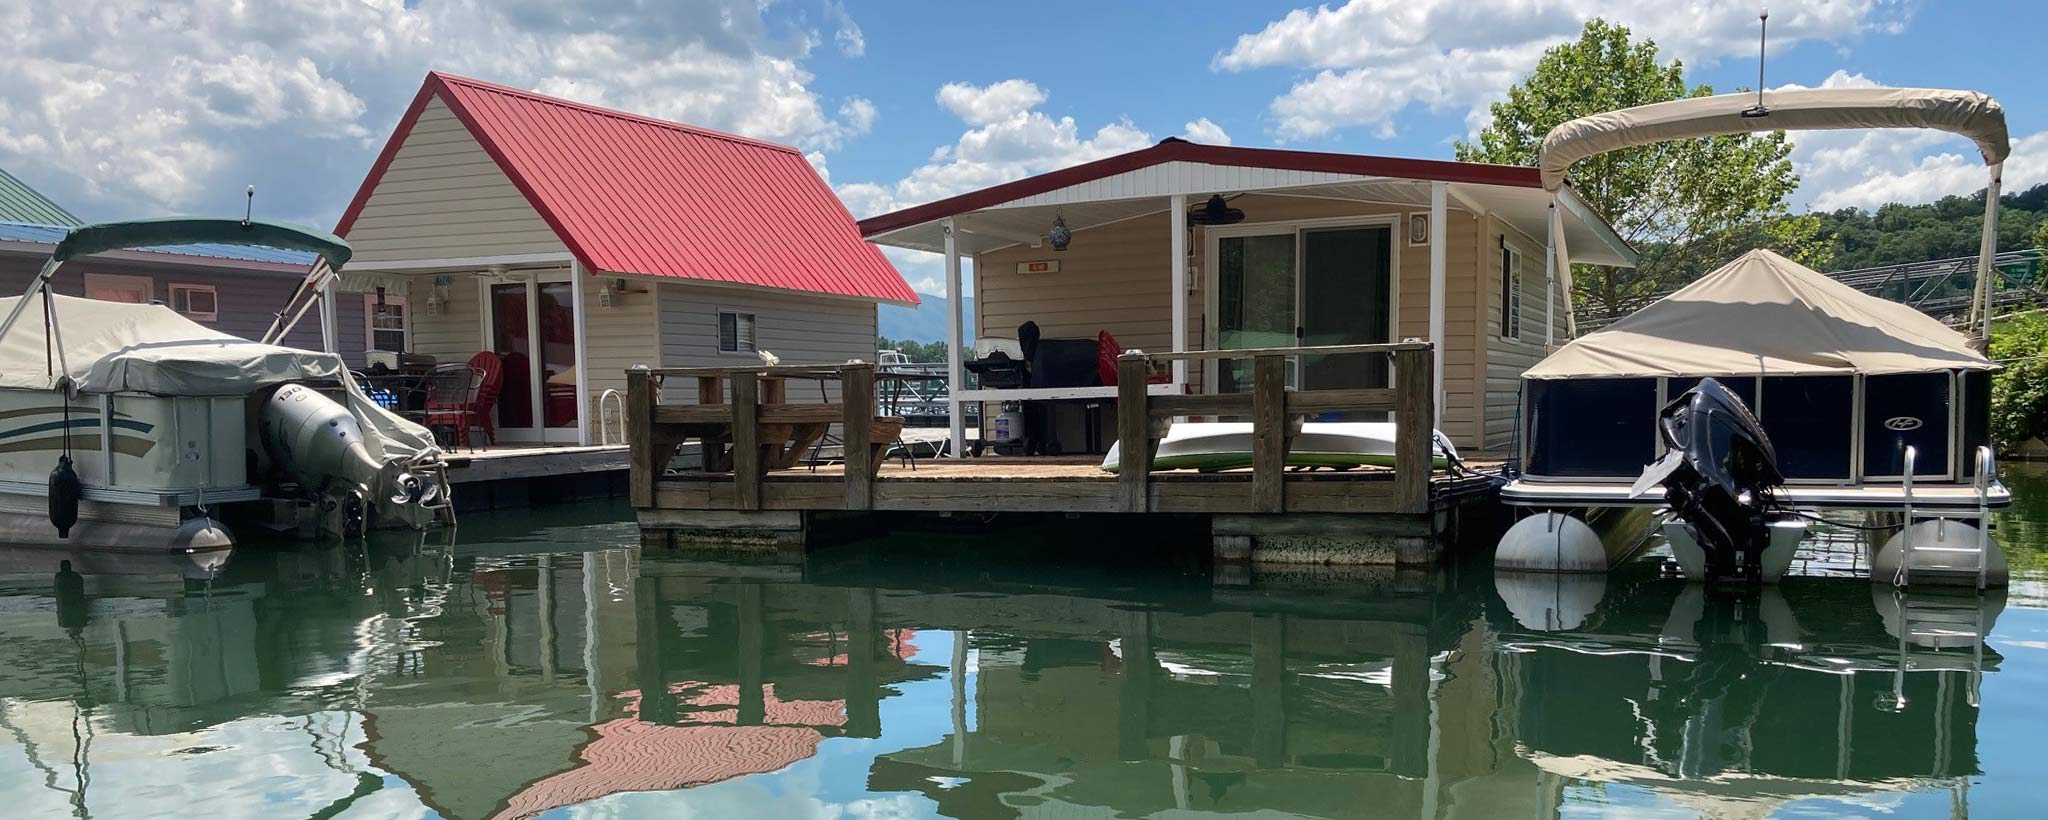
(502,686)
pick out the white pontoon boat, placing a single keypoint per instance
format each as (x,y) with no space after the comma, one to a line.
(1870,404)
(154,423)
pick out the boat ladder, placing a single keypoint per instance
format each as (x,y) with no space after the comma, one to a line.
(1980,547)
(604,429)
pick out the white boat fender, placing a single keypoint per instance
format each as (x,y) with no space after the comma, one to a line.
(65,489)
(1550,542)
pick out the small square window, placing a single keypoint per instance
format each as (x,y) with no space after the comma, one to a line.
(735,332)
(197,302)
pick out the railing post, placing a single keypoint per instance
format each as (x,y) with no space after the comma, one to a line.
(857,393)
(644,468)
(711,390)
(1414,407)
(1133,432)
(1269,434)
(746,441)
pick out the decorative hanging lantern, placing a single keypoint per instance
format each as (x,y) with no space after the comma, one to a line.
(1059,234)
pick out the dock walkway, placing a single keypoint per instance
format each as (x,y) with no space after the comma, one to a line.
(752,489)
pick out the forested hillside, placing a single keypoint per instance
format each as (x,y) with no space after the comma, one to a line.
(1946,228)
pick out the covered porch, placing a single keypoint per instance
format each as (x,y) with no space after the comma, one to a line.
(1184,247)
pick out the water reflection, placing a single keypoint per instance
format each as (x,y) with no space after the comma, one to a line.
(538,669)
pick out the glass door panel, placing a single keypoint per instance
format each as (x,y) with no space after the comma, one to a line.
(558,353)
(1346,299)
(1255,300)
(512,340)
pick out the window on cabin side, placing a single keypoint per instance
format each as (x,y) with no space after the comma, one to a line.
(735,332)
(196,302)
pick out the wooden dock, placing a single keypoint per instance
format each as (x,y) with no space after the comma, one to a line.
(755,488)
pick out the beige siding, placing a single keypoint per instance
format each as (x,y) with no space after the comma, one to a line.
(1118,278)
(1506,358)
(799,329)
(444,198)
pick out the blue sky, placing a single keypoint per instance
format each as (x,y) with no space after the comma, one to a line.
(126,109)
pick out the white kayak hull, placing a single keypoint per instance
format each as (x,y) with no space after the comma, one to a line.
(1210,446)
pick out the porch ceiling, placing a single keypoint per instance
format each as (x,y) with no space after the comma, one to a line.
(1589,240)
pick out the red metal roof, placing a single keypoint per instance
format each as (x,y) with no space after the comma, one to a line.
(1179,150)
(632,194)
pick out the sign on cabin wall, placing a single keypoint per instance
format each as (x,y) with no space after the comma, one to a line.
(1043,266)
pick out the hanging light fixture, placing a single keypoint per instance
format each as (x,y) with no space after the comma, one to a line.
(1060,236)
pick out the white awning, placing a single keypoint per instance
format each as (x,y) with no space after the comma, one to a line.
(1967,113)
(1764,314)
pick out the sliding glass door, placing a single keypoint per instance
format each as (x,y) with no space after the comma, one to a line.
(531,325)
(1304,286)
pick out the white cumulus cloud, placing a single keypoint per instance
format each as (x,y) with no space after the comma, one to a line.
(1373,59)
(1866,168)
(981,105)
(1205,132)
(117,109)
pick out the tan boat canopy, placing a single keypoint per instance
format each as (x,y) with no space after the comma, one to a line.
(1764,314)
(111,347)
(1967,113)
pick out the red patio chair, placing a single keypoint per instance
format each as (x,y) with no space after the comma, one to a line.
(1106,351)
(493,369)
(451,400)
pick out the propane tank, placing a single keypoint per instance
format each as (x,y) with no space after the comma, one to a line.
(65,489)
(1009,425)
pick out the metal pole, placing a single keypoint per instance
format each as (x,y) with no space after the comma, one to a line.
(1177,224)
(1980,307)
(580,320)
(956,371)
(1439,234)
(1549,276)
(41,281)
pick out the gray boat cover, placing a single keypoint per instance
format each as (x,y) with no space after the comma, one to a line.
(1967,113)
(113,347)
(1763,313)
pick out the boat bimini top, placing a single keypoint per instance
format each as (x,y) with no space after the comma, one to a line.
(150,348)
(1967,113)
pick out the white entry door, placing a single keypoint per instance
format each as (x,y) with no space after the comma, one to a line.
(530,322)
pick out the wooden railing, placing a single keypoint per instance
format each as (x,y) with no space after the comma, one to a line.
(763,429)
(1276,414)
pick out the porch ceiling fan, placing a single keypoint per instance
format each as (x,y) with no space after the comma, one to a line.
(1216,211)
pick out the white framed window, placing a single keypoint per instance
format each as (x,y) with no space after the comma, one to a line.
(112,287)
(200,303)
(735,332)
(1510,291)
(387,323)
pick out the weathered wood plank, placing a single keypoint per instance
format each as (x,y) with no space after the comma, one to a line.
(769,414)
(1269,433)
(1216,404)
(1414,416)
(857,427)
(643,467)
(1133,432)
(711,393)
(746,441)
(1308,402)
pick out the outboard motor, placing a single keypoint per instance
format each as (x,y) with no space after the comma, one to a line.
(1718,473)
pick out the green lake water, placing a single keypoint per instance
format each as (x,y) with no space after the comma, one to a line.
(540,665)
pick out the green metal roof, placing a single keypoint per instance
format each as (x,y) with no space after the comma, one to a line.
(20,203)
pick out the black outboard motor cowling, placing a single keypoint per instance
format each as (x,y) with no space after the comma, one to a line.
(1719,473)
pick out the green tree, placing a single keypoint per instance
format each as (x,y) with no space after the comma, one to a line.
(1687,205)
(2019,393)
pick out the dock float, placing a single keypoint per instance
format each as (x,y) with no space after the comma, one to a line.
(754,487)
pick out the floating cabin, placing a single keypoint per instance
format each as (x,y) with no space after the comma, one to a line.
(1263,285)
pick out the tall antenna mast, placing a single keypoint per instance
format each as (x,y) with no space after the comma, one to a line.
(1763,18)
(249,206)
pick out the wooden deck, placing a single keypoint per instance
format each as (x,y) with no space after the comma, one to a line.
(745,430)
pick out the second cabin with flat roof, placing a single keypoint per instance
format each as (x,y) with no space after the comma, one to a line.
(1183,246)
